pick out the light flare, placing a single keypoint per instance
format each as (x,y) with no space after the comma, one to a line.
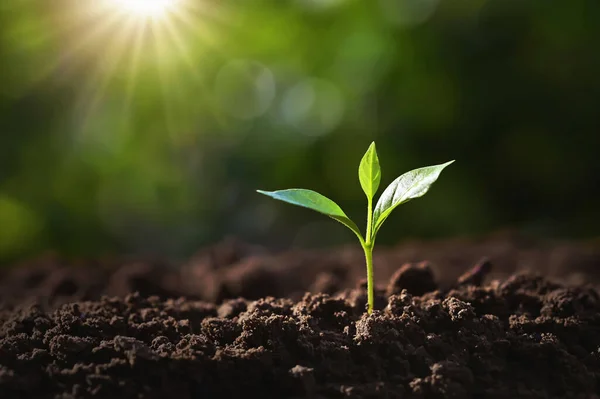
(145,8)
(134,57)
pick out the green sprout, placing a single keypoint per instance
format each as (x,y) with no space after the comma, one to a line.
(410,185)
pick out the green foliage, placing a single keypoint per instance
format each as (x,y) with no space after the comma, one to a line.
(413,184)
(315,201)
(410,185)
(369,172)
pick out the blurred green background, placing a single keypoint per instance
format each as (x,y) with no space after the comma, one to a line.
(148,135)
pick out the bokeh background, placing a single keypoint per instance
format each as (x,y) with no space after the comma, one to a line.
(122,134)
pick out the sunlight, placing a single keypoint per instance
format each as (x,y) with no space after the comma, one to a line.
(135,58)
(145,8)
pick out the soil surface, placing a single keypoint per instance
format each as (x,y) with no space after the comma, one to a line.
(495,317)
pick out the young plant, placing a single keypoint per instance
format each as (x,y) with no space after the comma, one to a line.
(410,185)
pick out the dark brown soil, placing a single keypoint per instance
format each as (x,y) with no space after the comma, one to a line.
(455,326)
(232,269)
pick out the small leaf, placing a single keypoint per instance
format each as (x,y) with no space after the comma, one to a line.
(315,201)
(369,172)
(410,185)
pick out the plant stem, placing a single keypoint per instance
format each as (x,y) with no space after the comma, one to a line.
(368,248)
(370,289)
(369,220)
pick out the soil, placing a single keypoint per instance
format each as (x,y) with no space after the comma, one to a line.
(501,316)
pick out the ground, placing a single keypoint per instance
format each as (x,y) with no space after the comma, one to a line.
(494,317)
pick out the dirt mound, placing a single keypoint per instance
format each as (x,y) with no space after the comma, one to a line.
(524,337)
(234,269)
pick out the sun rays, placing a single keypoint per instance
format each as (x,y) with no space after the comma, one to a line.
(146,8)
(121,51)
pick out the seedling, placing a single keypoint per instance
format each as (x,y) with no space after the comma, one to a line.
(410,185)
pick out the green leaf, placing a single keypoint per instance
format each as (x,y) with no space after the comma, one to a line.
(369,172)
(315,201)
(410,185)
